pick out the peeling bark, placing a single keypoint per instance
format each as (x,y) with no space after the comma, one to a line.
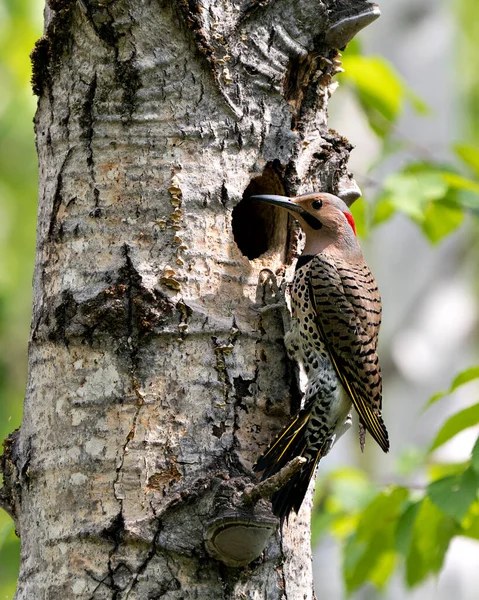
(152,384)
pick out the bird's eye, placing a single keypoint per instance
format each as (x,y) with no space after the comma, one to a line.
(317,204)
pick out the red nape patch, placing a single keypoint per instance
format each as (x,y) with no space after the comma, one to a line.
(350,219)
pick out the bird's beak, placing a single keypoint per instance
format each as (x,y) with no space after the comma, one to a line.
(285,202)
(282,201)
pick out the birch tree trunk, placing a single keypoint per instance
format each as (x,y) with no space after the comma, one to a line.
(153,386)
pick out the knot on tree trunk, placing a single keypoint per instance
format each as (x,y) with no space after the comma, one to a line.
(243,526)
(240,528)
(14,475)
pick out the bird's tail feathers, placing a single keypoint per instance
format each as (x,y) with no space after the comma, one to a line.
(291,495)
(291,442)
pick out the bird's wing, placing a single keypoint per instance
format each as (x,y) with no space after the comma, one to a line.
(348,313)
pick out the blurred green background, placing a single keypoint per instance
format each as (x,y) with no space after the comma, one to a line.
(430,185)
(20,27)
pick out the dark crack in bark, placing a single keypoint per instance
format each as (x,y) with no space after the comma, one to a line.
(58,198)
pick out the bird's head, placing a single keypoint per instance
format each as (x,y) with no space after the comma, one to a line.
(326,220)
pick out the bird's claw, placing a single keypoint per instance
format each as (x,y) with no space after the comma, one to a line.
(268,278)
(339,433)
(268,282)
(261,310)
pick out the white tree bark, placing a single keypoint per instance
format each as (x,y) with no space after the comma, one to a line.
(153,386)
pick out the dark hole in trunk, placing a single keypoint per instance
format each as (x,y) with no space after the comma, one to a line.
(260,228)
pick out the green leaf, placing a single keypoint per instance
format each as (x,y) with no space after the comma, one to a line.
(465,377)
(5,531)
(383,211)
(459,182)
(379,513)
(351,488)
(410,460)
(369,553)
(377,82)
(432,533)
(360,210)
(460,379)
(383,568)
(354,47)
(381,91)
(417,102)
(455,494)
(411,192)
(440,221)
(469,155)
(321,522)
(353,554)
(475,456)
(338,500)
(470,524)
(440,470)
(363,559)
(430,194)
(405,528)
(462,420)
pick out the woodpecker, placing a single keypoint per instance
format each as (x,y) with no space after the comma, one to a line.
(336,314)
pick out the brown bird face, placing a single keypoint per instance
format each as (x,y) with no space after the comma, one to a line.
(326,220)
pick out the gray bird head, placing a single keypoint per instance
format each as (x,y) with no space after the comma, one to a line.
(326,220)
(319,214)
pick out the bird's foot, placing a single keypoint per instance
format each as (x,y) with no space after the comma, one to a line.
(276,295)
(346,426)
(267,279)
(339,433)
(362,435)
(266,308)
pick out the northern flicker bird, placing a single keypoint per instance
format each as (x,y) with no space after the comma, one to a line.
(336,314)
